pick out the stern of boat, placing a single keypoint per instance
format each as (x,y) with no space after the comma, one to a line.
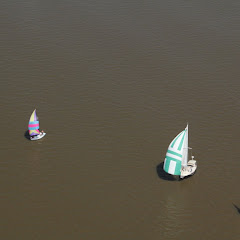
(190,169)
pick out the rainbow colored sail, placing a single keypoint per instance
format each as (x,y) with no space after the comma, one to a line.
(33,125)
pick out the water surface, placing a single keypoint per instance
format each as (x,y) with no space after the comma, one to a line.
(113,83)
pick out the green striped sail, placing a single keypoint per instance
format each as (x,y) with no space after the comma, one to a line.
(177,153)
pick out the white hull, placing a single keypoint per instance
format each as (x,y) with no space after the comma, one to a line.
(189,170)
(37,137)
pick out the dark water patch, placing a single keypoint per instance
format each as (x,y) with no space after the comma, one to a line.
(26,135)
(163,175)
(237,208)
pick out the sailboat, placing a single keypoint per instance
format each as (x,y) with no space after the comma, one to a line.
(33,127)
(176,161)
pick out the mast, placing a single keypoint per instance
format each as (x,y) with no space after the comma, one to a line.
(185,148)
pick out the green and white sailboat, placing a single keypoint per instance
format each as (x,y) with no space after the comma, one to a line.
(176,161)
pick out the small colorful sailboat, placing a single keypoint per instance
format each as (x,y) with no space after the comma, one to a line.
(176,161)
(33,127)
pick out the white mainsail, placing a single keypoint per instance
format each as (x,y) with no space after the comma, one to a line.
(185,149)
(177,154)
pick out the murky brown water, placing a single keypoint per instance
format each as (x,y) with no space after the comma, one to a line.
(113,82)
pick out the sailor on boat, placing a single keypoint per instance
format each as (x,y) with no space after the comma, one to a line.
(40,134)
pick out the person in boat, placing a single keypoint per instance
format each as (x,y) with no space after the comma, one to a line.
(40,133)
(184,168)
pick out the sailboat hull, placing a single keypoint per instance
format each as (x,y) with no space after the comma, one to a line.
(189,170)
(38,137)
